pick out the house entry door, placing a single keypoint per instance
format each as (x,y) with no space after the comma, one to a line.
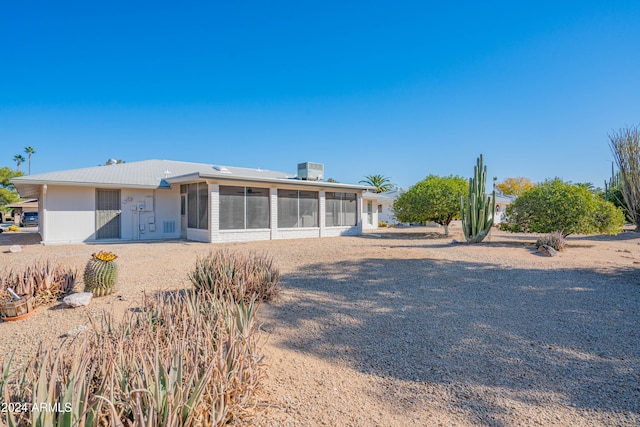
(108,214)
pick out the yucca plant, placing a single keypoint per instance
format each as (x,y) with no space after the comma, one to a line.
(101,273)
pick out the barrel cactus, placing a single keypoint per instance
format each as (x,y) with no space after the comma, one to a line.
(101,273)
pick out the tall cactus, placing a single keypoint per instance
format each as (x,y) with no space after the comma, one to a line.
(479,210)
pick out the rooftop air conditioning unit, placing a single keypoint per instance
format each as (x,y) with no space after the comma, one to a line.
(311,171)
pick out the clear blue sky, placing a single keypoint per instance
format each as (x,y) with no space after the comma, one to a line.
(401,88)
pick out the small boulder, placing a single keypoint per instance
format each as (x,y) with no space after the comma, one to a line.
(14,249)
(75,331)
(79,299)
(547,250)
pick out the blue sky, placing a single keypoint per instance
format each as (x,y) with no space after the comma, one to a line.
(402,89)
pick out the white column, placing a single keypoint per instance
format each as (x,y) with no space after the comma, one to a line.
(363,217)
(273,204)
(323,217)
(42,214)
(214,212)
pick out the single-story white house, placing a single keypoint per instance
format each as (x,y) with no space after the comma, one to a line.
(381,207)
(161,199)
(503,201)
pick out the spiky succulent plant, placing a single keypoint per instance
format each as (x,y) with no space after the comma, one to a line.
(101,273)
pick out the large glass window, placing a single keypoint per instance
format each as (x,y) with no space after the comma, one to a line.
(297,208)
(341,209)
(198,205)
(243,208)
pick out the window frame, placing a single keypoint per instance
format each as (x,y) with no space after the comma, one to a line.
(247,194)
(343,200)
(299,211)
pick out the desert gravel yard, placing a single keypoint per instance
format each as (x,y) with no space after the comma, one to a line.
(402,327)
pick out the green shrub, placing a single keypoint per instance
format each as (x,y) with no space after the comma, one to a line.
(182,360)
(555,240)
(555,205)
(382,224)
(242,277)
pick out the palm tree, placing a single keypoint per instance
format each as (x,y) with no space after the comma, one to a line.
(30,151)
(18,159)
(382,183)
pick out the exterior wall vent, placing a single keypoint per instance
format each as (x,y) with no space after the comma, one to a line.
(311,171)
(168,227)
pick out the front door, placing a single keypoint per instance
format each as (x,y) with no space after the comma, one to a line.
(108,214)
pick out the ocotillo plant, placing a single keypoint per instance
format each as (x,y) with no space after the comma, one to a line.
(478,212)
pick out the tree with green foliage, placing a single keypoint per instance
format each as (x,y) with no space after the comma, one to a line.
(435,199)
(625,146)
(8,193)
(6,174)
(30,151)
(560,206)
(113,162)
(332,180)
(19,159)
(382,183)
(7,197)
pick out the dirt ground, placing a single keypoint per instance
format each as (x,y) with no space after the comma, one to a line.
(401,327)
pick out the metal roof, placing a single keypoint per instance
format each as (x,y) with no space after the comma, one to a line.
(156,174)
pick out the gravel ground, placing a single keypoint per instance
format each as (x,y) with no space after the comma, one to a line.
(401,327)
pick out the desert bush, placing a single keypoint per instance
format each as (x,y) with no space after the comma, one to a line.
(382,224)
(184,359)
(555,240)
(555,205)
(44,280)
(242,277)
(14,228)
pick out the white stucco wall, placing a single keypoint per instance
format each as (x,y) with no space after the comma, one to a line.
(68,214)
(161,220)
(387,215)
(366,225)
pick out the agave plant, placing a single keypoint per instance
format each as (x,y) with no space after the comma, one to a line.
(186,359)
(43,280)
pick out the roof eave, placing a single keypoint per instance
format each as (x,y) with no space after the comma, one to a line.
(18,183)
(300,182)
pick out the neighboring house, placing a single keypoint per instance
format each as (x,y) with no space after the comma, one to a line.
(381,207)
(160,199)
(20,207)
(502,203)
